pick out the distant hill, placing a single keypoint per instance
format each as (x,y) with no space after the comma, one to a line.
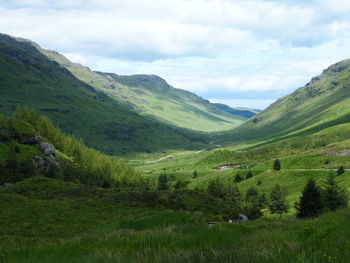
(151,95)
(28,77)
(244,112)
(321,103)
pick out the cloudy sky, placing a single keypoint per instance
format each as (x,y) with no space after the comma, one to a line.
(242,53)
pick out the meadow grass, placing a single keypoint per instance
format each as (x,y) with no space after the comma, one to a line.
(96,230)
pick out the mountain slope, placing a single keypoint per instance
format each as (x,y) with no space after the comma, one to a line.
(27,77)
(153,96)
(321,103)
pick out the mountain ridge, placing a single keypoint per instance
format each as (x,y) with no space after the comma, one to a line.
(28,77)
(151,95)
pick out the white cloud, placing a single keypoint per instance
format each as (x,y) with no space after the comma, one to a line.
(253,49)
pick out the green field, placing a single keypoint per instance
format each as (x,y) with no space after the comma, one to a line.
(79,227)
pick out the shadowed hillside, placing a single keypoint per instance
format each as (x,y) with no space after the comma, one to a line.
(27,77)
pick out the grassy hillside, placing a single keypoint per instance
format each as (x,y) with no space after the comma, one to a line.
(27,77)
(152,96)
(304,157)
(31,146)
(83,228)
(322,103)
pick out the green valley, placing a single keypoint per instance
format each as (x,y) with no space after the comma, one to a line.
(99,167)
(30,78)
(152,96)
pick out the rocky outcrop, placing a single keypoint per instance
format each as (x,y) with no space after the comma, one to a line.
(49,152)
(39,163)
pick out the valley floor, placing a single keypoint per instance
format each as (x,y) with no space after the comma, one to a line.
(50,226)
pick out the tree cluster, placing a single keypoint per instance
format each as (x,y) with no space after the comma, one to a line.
(315,200)
(251,203)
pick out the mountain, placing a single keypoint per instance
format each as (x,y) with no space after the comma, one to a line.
(151,95)
(321,103)
(28,77)
(244,112)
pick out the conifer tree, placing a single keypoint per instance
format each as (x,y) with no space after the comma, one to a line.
(216,188)
(163,182)
(232,200)
(262,200)
(252,194)
(238,178)
(277,202)
(310,203)
(277,165)
(340,170)
(334,196)
(249,175)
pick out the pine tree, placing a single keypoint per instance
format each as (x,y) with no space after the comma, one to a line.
(249,175)
(262,201)
(310,203)
(340,170)
(277,202)
(163,182)
(181,184)
(252,210)
(251,194)
(238,178)
(334,196)
(277,165)
(216,188)
(232,201)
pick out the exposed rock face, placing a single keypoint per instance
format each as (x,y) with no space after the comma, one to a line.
(49,151)
(47,148)
(39,163)
(50,157)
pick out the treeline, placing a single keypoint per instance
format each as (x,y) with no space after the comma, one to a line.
(251,203)
(314,200)
(78,163)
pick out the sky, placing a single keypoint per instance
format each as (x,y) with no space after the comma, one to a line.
(242,53)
